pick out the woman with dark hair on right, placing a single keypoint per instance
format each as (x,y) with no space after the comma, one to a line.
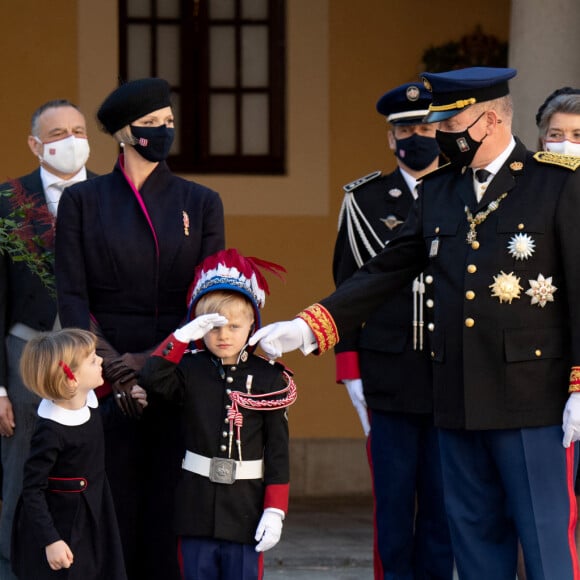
(558,121)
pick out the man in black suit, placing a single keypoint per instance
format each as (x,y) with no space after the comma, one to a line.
(58,138)
(499,227)
(385,364)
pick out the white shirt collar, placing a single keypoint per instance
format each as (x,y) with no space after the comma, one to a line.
(69,417)
(411,182)
(497,163)
(52,194)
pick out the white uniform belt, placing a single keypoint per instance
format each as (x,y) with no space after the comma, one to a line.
(202,466)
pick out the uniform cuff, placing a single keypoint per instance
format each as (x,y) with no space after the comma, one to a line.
(322,325)
(347,366)
(574,380)
(171,349)
(276,496)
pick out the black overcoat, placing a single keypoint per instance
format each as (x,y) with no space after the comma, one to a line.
(128,267)
(84,518)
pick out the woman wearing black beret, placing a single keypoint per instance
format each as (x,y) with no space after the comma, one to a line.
(126,248)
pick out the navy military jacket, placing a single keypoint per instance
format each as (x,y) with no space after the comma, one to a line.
(395,375)
(497,363)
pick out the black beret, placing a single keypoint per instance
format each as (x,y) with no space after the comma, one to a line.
(133,100)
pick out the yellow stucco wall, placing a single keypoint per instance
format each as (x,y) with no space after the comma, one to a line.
(342,56)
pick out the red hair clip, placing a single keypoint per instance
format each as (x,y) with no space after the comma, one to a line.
(66,370)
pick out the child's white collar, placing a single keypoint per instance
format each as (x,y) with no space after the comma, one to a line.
(69,417)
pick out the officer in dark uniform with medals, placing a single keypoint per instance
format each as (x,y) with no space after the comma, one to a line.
(503,245)
(388,358)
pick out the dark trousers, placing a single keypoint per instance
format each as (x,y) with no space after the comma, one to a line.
(209,559)
(501,485)
(143,462)
(412,535)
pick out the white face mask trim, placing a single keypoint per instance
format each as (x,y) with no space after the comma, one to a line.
(563,147)
(67,155)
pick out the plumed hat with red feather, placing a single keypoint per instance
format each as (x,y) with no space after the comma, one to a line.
(228,270)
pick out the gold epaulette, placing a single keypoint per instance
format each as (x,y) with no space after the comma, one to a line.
(570,161)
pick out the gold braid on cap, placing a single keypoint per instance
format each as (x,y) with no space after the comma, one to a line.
(574,380)
(322,325)
(456,105)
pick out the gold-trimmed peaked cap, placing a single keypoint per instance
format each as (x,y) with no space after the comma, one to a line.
(454,91)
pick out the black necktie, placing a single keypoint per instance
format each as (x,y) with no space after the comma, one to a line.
(482,175)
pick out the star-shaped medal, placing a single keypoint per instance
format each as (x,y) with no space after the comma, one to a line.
(541,290)
(506,287)
(521,246)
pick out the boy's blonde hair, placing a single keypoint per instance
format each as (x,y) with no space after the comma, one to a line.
(220,300)
(42,365)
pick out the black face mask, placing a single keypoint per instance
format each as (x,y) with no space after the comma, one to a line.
(153,143)
(459,148)
(416,151)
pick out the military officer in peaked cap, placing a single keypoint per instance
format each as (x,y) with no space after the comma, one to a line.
(503,245)
(385,364)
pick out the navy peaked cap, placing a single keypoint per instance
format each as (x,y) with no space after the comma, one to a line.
(405,105)
(455,90)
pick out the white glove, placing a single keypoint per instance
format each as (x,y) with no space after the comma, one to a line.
(199,326)
(280,337)
(571,420)
(269,529)
(355,392)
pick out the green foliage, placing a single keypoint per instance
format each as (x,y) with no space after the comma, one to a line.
(20,239)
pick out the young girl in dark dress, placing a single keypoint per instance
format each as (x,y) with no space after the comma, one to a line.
(65,524)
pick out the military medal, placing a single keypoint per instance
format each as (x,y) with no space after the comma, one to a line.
(391,221)
(434,249)
(521,246)
(541,290)
(185,223)
(506,287)
(479,218)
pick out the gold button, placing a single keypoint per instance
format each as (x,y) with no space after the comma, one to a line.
(224,433)
(82,483)
(432,354)
(475,245)
(538,352)
(429,303)
(223,447)
(521,226)
(437,230)
(431,326)
(429,279)
(229,380)
(469,322)
(472,268)
(470,295)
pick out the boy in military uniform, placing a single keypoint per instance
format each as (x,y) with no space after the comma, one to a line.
(233,493)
